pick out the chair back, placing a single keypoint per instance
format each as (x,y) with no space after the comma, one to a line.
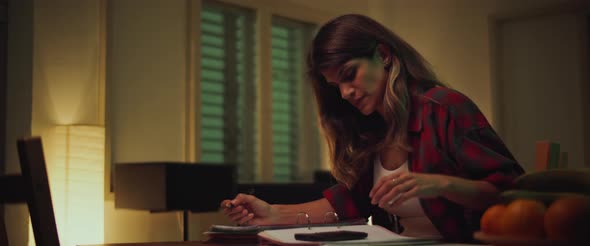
(32,187)
(3,236)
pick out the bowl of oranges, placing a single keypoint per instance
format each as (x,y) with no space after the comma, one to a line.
(538,215)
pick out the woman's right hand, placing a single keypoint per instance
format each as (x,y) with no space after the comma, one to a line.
(249,210)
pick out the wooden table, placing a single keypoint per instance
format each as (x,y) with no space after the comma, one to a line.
(181,243)
(201,243)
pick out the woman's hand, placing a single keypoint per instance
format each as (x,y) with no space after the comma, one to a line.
(394,189)
(249,210)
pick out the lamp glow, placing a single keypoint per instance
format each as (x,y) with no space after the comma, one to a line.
(75,166)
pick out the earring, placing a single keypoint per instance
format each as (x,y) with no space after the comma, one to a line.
(386,63)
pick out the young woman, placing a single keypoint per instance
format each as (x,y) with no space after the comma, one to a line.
(402,144)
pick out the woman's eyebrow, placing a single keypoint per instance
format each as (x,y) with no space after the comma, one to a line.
(344,71)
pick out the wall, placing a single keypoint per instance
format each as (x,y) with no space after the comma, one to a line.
(534,54)
(66,64)
(3,62)
(3,56)
(146,103)
(146,74)
(453,36)
(18,105)
(336,7)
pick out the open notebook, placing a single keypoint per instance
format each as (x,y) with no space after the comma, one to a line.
(375,235)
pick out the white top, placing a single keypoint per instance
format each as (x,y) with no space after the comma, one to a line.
(410,213)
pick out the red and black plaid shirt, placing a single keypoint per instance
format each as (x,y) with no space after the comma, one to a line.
(448,135)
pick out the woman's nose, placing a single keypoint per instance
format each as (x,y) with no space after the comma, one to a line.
(346,91)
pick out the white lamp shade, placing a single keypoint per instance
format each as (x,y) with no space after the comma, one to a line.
(75,166)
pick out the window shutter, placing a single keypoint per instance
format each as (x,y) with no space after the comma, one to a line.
(227,87)
(289,39)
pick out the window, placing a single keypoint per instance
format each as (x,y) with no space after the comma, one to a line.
(230,97)
(227,87)
(289,42)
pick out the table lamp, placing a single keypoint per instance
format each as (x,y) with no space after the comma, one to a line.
(173,186)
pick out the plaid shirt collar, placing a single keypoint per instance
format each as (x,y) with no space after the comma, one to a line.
(415,121)
(417,100)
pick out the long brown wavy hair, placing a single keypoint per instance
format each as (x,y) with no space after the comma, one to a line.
(354,139)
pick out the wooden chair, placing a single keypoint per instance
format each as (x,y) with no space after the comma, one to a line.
(31,187)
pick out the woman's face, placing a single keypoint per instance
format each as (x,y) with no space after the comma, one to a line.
(361,82)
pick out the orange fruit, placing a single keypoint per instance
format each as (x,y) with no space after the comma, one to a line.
(490,220)
(523,218)
(568,218)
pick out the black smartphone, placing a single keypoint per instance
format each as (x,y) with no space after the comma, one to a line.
(331,236)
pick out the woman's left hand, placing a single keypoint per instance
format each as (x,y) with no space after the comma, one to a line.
(394,189)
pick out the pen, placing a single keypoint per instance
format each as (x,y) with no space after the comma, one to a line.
(231,205)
